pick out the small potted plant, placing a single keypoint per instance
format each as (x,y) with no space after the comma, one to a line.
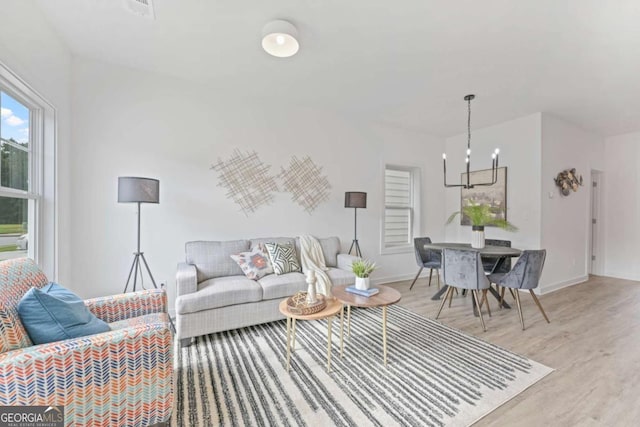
(362,268)
(480,216)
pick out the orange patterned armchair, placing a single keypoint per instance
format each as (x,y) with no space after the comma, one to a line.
(118,378)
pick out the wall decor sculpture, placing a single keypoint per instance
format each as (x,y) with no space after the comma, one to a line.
(493,195)
(247,180)
(568,180)
(306,183)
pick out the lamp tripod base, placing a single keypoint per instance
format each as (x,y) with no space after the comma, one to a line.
(356,246)
(136,269)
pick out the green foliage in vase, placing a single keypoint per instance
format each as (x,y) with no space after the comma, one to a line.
(481,215)
(362,267)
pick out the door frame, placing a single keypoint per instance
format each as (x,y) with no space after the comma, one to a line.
(595,233)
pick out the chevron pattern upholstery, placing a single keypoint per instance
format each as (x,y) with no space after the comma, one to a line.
(118,378)
(126,306)
(16,278)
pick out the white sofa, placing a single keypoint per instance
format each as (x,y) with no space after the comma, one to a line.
(214,295)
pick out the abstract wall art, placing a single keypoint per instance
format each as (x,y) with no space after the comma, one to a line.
(568,180)
(247,180)
(306,183)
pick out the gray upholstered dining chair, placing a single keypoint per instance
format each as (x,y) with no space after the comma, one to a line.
(524,275)
(426,259)
(490,263)
(462,268)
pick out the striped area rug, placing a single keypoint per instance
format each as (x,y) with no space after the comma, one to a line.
(436,376)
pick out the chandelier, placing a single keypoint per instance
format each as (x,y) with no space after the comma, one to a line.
(494,158)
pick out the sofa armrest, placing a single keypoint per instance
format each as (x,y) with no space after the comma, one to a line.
(186,279)
(82,374)
(126,306)
(345,260)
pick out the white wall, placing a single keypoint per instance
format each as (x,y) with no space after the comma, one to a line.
(622,199)
(566,219)
(129,123)
(33,51)
(535,148)
(519,142)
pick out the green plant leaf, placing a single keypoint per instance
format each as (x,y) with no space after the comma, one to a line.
(481,215)
(452,217)
(363,267)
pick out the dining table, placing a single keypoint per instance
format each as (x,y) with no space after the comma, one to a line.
(497,253)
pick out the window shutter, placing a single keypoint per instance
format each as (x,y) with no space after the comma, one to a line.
(398,207)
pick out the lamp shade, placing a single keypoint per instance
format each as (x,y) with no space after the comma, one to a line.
(133,189)
(280,38)
(355,199)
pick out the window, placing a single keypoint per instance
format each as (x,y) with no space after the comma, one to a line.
(27,136)
(15,165)
(401,202)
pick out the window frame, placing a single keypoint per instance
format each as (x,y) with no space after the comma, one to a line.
(414,209)
(42,171)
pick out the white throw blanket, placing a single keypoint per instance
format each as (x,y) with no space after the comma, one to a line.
(312,258)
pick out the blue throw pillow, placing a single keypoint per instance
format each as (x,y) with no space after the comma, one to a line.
(54,313)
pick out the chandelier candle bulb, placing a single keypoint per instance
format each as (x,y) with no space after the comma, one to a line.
(444,160)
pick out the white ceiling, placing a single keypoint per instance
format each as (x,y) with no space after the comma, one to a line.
(405,62)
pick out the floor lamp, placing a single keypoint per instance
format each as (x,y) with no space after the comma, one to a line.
(138,190)
(355,200)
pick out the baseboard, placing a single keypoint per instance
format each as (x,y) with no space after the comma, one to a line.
(400,278)
(547,289)
(614,275)
(564,284)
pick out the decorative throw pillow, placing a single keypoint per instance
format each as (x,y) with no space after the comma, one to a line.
(54,313)
(255,264)
(283,257)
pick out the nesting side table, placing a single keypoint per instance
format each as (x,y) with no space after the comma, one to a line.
(329,312)
(384,298)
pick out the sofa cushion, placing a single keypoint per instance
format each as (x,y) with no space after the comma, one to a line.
(55,314)
(283,258)
(282,240)
(255,263)
(341,277)
(220,292)
(263,240)
(330,249)
(213,259)
(282,286)
(17,276)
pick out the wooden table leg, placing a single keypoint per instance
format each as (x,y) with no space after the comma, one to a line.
(349,320)
(330,320)
(288,341)
(384,333)
(293,339)
(341,330)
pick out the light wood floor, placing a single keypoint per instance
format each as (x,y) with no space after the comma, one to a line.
(593,343)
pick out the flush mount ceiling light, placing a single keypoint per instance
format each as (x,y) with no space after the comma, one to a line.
(279,38)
